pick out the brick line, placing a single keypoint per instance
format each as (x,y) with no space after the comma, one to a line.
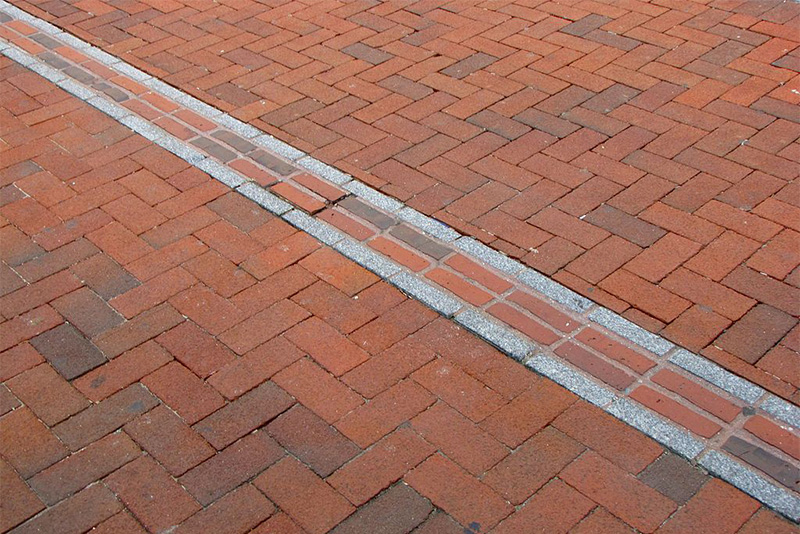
(649,377)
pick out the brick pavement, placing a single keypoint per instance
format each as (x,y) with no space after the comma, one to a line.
(643,154)
(133,283)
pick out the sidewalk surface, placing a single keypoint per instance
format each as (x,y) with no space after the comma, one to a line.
(246,385)
(174,358)
(643,154)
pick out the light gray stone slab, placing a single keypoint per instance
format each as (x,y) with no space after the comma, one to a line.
(478,250)
(572,380)
(221,172)
(368,259)
(373,197)
(425,292)
(554,290)
(264,198)
(786,412)
(326,171)
(752,483)
(710,371)
(428,225)
(319,229)
(505,339)
(631,331)
(668,434)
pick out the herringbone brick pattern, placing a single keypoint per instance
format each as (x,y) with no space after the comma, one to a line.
(175,359)
(642,153)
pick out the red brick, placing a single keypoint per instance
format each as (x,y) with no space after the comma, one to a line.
(779,257)
(346,224)
(148,187)
(651,299)
(94,462)
(716,506)
(47,394)
(773,434)
(263,326)
(457,388)
(169,440)
(244,415)
(532,465)
(696,327)
(623,445)
(299,198)
(767,522)
(696,394)
(229,241)
(523,323)
(18,359)
(383,464)
(601,522)
(370,422)
(119,243)
(196,349)
(458,493)
(281,255)
(615,350)
(87,312)
(179,388)
(632,501)
(312,440)
(551,256)
(246,372)
(675,411)
(747,224)
(596,366)
(18,502)
(555,508)
(152,495)
(134,214)
(41,292)
(702,291)
(191,198)
(662,257)
(399,253)
(529,412)
(304,496)
(334,307)
(153,292)
(57,260)
(722,255)
(392,326)
(27,444)
(279,523)
(180,227)
(219,273)
(478,273)
(765,289)
(327,346)
(231,467)
(237,512)
(147,325)
(459,286)
(80,512)
(318,390)
(166,258)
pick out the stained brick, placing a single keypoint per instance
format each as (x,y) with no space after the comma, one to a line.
(81,512)
(68,351)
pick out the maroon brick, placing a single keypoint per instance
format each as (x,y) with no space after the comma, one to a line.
(236,513)
(182,391)
(17,501)
(196,349)
(68,351)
